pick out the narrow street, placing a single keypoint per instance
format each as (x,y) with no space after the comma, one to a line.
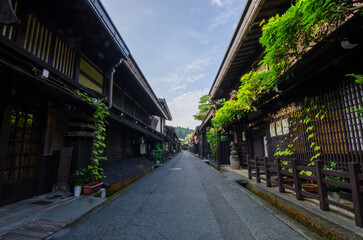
(184,199)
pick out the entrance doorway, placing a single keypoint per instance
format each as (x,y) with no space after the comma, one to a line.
(18,181)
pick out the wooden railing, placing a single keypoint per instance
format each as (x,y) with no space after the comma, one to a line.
(264,169)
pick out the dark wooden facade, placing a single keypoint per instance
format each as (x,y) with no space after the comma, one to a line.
(172,141)
(312,111)
(58,47)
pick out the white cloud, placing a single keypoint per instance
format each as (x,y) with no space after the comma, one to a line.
(226,11)
(181,77)
(197,65)
(184,106)
(175,88)
(193,78)
(217,2)
(223,3)
(195,35)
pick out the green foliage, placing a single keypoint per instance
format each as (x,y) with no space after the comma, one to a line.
(285,39)
(187,138)
(358,77)
(79,177)
(183,132)
(331,188)
(98,147)
(307,116)
(212,140)
(253,85)
(204,106)
(158,152)
(284,153)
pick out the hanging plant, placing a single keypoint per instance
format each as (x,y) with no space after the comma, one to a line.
(98,146)
(286,39)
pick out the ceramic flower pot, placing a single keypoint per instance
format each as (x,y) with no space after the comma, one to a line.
(288,181)
(334,196)
(92,187)
(77,191)
(310,187)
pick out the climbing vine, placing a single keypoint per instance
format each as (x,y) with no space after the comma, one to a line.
(212,140)
(286,39)
(307,115)
(98,146)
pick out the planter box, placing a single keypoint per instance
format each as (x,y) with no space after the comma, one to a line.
(92,187)
(310,187)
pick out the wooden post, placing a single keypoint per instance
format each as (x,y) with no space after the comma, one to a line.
(296,180)
(267,173)
(258,179)
(249,167)
(279,176)
(354,169)
(321,186)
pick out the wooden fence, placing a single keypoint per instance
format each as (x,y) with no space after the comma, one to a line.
(274,172)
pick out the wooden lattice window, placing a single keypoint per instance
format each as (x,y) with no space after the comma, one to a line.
(333,132)
(22,147)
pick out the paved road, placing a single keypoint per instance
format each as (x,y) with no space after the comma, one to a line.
(184,199)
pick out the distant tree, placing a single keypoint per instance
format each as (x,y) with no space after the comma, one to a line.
(182,132)
(204,106)
(188,137)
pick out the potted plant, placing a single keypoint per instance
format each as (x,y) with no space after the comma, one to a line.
(288,181)
(334,191)
(95,172)
(309,186)
(77,180)
(95,175)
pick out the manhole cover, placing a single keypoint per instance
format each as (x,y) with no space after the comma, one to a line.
(174,169)
(41,202)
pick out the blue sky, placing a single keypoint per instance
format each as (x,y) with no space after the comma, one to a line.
(178,44)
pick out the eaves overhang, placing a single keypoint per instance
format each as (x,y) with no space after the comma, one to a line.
(137,87)
(244,49)
(206,121)
(108,24)
(134,126)
(326,63)
(83,25)
(164,104)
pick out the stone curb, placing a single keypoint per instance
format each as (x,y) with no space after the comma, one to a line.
(327,224)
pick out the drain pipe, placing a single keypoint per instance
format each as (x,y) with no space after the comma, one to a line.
(110,87)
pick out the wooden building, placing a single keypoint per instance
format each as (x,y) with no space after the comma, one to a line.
(318,92)
(320,74)
(56,48)
(172,142)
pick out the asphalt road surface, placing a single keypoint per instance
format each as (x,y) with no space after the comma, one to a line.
(184,199)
